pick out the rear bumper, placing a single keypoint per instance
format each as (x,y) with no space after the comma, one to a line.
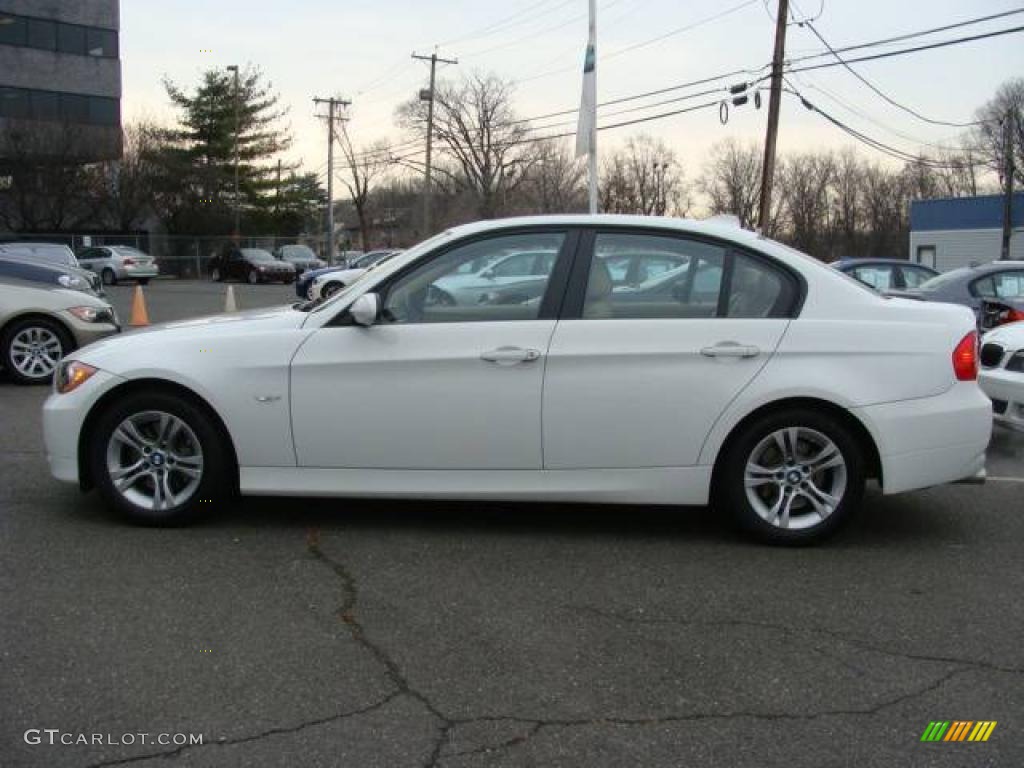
(932,440)
(134,273)
(1006,388)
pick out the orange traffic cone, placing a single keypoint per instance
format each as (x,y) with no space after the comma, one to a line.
(139,316)
(229,300)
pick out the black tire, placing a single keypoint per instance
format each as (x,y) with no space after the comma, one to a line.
(7,347)
(108,276)
(252,276)
(214,488)
(143,281)
(731,489)
(216,275)
(330,289)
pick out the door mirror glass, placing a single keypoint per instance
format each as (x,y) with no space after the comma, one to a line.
(365,309)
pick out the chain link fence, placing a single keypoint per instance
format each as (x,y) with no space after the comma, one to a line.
(181,256)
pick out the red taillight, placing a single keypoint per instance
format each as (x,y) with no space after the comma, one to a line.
(1012,316)
(129,262)
(965,358)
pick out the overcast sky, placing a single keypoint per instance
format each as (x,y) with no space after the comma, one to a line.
(361,49)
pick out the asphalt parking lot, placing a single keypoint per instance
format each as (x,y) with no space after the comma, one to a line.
(355,633)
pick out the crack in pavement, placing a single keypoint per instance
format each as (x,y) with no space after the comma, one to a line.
(173,753)
(786,629)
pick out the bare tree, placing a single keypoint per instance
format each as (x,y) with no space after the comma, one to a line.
(988,138)
(554,183)
(49,188)
(845,201)
(133,181)
(363,169)
(644,177)
(478,134)
(731,180)
(804,185)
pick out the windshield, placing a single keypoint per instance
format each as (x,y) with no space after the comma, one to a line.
(257,253)
(297,252)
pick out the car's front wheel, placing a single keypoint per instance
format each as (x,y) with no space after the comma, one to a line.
(157,459)
(216,276)
(330,289)
(253,277)
(793,477)
(32,348)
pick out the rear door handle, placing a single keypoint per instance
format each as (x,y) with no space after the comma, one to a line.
(731,349)
(510,355)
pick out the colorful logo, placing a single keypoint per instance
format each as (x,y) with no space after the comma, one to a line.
(958,730)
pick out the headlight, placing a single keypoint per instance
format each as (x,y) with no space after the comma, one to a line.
(93,314)
(1016,363)
(262,269)
(71,375)
(70,281)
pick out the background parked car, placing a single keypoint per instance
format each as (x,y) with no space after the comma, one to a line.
(886,274)
(119,262)
(50,275)
(304,283)
(522,275)
(1001,281)
(326,285)
(254,265)
(301,257)
(1002,373)
(51,253)
(38,326)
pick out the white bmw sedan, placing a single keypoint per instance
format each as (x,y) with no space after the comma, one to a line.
(758,378)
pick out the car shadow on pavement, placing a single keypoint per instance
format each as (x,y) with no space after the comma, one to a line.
(884,521)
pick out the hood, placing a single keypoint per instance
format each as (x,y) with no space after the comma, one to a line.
(267,262)
(198,330)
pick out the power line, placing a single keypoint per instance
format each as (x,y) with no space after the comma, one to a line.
(875,89)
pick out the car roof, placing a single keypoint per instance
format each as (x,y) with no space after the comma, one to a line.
(868,260)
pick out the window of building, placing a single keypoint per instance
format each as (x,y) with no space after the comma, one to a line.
(45,105)
(50,35)
(71,39)
(101,42)
(13,29)
(14,102)
(42,33)
(102,111)
(74,108)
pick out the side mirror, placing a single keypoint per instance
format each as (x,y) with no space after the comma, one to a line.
(365,310)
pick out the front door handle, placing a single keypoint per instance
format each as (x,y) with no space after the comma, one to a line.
(510,355)
(731,349)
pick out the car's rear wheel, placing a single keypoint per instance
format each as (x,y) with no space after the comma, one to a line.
(108,276)
(793,477)
(143,281)
(158,460)
(32,348)
(253,277)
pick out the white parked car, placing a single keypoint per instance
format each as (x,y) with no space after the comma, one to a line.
(326,285)
(115,263)
(1002,373)
(777,392)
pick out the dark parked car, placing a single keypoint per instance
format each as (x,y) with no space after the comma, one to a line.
(253,265)
(984,288)
(301,256)
(50,275)
(886,274)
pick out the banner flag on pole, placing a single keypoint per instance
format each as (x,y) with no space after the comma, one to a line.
(586,128)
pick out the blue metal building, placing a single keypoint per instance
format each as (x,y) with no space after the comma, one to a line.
(952,232)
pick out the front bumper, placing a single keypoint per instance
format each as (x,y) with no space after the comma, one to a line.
(1006,388)
(87,333)
(63,417)
(932,440)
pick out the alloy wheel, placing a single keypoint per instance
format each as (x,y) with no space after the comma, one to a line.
(154,460)
(795,478)
(35,352)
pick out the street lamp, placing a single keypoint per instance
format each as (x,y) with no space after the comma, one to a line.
(238,225)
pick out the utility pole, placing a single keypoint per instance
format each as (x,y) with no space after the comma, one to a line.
(428,96)
(238,215)
(1008,170)
(332,106)
(774,103)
